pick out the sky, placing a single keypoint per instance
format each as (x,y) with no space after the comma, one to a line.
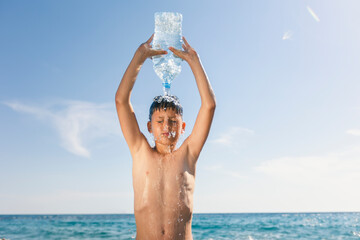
(286,131)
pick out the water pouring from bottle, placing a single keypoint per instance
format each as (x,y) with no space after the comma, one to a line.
(168,33)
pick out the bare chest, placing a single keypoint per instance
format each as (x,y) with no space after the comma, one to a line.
(165,183)
(163,195)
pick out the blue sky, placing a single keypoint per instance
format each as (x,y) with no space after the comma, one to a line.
(286,132)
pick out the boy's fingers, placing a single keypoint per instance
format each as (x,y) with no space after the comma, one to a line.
(174,50)
(150,39)
(186,42)
(158,52)
(177,52)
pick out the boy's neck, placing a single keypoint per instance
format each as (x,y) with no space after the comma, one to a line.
(164,149)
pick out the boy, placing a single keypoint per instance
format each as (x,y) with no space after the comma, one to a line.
(164,177)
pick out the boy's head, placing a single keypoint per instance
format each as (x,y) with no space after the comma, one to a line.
(165,119)
(164,103)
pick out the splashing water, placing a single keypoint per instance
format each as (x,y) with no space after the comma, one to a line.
(167,98)
(172,134)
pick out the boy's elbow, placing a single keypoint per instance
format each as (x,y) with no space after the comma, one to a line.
(119,101)
(211,105)
(213,102)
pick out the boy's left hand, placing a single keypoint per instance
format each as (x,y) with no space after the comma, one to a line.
(189,54)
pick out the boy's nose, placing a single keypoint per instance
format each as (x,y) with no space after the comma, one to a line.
(166,126)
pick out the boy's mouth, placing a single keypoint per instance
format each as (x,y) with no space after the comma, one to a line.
(169,134)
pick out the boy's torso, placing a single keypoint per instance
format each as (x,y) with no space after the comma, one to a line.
(163,194)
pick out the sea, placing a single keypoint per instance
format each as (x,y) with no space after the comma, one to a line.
(247,226)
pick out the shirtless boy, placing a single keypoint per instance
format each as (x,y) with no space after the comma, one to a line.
(163,176)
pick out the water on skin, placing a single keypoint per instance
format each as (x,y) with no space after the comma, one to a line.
(160,170)
(172,134)
(176,209)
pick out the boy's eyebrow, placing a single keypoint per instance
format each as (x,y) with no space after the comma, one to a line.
(160,117)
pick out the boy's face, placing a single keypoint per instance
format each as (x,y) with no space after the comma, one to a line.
(166,126)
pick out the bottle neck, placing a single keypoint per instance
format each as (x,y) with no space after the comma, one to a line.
(166,88)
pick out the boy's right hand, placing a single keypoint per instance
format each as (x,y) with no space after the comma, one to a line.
(145,51)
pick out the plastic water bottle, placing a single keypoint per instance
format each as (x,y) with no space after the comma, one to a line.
(168,33)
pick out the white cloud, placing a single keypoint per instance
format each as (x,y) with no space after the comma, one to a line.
(313,14)
(287,35)
(76,122)
(326,182)
(66,201)
(233,136)
(334,169)
(355,132)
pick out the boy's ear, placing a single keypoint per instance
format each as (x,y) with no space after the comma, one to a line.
(149,126)
(183,127)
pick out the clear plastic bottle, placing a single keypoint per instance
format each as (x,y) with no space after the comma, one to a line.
(168,33)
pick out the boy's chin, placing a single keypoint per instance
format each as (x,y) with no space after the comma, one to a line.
(167,142)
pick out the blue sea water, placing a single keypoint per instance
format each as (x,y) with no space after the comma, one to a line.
(249,226)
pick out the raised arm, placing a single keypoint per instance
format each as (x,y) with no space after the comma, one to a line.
(125,111)
(204,118)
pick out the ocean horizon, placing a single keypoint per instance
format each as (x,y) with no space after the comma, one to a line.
(209,226)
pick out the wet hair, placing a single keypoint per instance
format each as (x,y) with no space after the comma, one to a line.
(164,102)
